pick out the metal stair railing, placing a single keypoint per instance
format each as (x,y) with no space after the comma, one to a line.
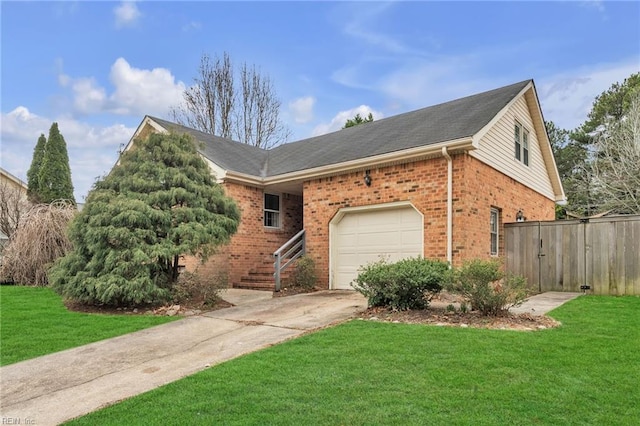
(290,251)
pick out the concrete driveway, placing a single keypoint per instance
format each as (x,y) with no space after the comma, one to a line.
(54,388)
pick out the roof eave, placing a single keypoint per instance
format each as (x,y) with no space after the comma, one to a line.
(14,179)
(370,162)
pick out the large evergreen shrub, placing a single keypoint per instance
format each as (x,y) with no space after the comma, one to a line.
(158,203)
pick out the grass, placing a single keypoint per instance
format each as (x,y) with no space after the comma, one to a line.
(362,373)
(35,322)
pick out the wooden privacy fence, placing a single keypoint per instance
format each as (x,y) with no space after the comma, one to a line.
(601,256)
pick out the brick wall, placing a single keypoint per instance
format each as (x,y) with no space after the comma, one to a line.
(253,243)
(476,188)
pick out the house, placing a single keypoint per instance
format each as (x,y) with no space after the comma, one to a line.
(438,182)
(13,202)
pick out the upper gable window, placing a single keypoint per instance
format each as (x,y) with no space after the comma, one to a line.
(521,140)
(271,210)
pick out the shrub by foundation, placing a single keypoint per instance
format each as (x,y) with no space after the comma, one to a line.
(304,274)
(406,284)
(486,288)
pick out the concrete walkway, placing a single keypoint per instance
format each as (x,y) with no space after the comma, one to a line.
(542,303)
(54,388)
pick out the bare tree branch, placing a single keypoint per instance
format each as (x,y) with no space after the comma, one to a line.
(40,239)
(213,104)
(616,167)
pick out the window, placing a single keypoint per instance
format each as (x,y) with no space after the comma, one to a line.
(525,148)
(271,210)
(517,140)
(521,139)
(495,217)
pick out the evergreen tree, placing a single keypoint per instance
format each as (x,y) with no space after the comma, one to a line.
(357,120)
(33,181)
(160,202)
(54,177)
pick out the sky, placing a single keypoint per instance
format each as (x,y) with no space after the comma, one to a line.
(97,68)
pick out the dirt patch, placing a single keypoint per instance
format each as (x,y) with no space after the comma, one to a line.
(194,307)
(292,291)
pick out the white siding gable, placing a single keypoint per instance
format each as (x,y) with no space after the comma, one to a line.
(497,149)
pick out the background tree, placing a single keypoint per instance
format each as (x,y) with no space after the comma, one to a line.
(571,160)
(40,239)
(215,105)
(611,105)
(33,180)
(576,155)
(160,202)
(358,120)
(54,176)
(616,167)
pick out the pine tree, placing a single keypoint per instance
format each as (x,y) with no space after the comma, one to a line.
(160,202)
(54,177)
(33,181)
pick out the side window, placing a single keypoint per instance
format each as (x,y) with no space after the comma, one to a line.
(525,147)
(271,210)
(517,139)
(494,220)
(521,143)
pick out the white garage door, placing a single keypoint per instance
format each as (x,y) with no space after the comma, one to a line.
(361,237)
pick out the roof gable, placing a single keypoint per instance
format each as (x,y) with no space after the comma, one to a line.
(15,181)
(449,121)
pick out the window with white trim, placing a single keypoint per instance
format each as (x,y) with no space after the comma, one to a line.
(271,210)
(521,141)
(494,220)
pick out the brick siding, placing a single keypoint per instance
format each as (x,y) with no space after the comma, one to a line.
(253,244)
(476,189)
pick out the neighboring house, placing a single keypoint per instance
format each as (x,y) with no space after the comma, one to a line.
(439,182)
(13,202)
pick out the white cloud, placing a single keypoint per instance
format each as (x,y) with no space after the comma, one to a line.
(593,4)
(92,149)
(136,91)
(338,121)
(567,98)
(192,26)
(302,109)
(427,82)
(88,96)
(126,14)
(140,91)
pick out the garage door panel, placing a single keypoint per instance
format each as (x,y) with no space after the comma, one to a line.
(410,238)
(379,239)
(365,237)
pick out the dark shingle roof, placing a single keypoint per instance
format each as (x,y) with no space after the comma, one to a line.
(226,153)
(439,123)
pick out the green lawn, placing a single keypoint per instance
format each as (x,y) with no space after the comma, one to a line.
(34,322)
(367,373)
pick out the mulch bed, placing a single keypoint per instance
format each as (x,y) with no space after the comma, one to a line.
(440,316)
